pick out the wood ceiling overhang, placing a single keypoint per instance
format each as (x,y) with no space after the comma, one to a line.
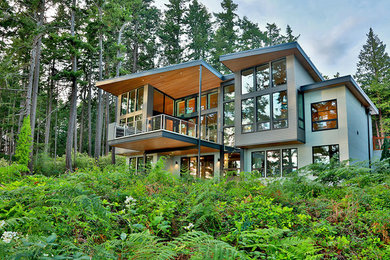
(245,59)
(176,81)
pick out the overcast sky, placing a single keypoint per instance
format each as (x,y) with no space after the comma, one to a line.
(332,31)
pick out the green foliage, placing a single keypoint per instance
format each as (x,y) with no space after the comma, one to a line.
(113,212)
(24,143)
(385,149)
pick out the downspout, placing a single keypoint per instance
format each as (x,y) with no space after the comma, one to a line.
(199,118)
(368,137)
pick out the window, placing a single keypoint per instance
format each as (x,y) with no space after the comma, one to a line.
(228,93)
(279,76)
(289,161)
(247,81)
(228,113)
(158,101)
(280,112)
(273,163)
(124,104)
(131,101)
(168,106)
(209,126)
(140,98)
(203,102)
(262,77)
(212,100)
(324,115)
(258,162)
(301,111)
(324,154)
(191,106)
(247,115)
(231,163)
(263,113)
(180,107)
(228,136)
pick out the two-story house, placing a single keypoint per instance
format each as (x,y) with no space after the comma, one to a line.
(274,114)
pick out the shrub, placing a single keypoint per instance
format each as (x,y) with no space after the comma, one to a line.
(24,143)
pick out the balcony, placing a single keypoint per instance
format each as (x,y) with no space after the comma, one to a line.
(157,123)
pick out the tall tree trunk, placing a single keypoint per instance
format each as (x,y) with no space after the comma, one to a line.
(56,132)
(81,129)
(118,68)
(135,49)
(34,96)
(99,120)
(49,110)
(90,119)
(107,123)
(73,102)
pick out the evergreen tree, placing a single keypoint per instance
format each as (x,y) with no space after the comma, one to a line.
(24,143)
(199,31)
(273,35)
(251,36)
(225,39)
(172,31)
(373,70)
(289,35)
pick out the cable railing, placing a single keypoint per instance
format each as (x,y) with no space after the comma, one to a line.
(155,123)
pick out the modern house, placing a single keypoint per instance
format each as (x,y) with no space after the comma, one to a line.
(274,114)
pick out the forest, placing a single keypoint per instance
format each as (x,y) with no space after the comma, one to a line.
(52,53)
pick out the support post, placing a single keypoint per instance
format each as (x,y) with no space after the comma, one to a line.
(199,119)
(221,160)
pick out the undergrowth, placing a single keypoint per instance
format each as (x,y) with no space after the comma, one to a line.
(113,213)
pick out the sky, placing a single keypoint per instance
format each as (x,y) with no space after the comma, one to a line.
(332,31)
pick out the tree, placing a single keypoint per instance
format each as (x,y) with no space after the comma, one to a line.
(289,35)
(373,70)
(199,31)
(385,150)
(251,36)
(172,31)
(225,39)
(273,34)
(24,143)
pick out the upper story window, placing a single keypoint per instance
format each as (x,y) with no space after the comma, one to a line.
(324,115)
(261,80)
(228,115)
(301,111)
(162,103)
(189,105)
(247,115)
(132,101)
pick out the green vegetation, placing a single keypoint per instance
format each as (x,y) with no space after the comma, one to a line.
(24,143)
(113,213)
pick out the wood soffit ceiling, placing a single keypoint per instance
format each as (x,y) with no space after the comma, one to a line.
(176,83)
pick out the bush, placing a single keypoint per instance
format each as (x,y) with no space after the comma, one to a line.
(24,143)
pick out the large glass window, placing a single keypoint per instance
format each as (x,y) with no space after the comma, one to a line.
(158,101)
(212,100)
(324,115)
(140,98)
(279,76)
(228,93)
(247,115)
(168,106)
(262,77)
(323,154)
(203,103)
(124,104)
(289,161)
(263,113)
(247,81)
(191,106)
(280,112)
(273,163)
(301,111)
(258,162)
(228,113)
(228,136)
(132,101)
(180,107)
(212,127)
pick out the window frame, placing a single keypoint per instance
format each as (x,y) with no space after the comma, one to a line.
(224,102)
(328,145)
(280,150)
(328,120)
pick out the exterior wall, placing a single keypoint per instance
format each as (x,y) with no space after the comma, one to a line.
(327,137)
(359,142)
(276,135)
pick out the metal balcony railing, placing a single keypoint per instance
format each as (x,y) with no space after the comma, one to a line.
(155,123)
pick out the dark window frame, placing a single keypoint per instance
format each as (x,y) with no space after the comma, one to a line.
(328,120)
(329,145)
(302,119)
(281,150)
(253,124)
(233,101)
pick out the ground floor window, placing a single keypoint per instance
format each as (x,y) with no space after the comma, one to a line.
(275,163)
(325,153)
(190,164)
(232,163)
(137,163)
